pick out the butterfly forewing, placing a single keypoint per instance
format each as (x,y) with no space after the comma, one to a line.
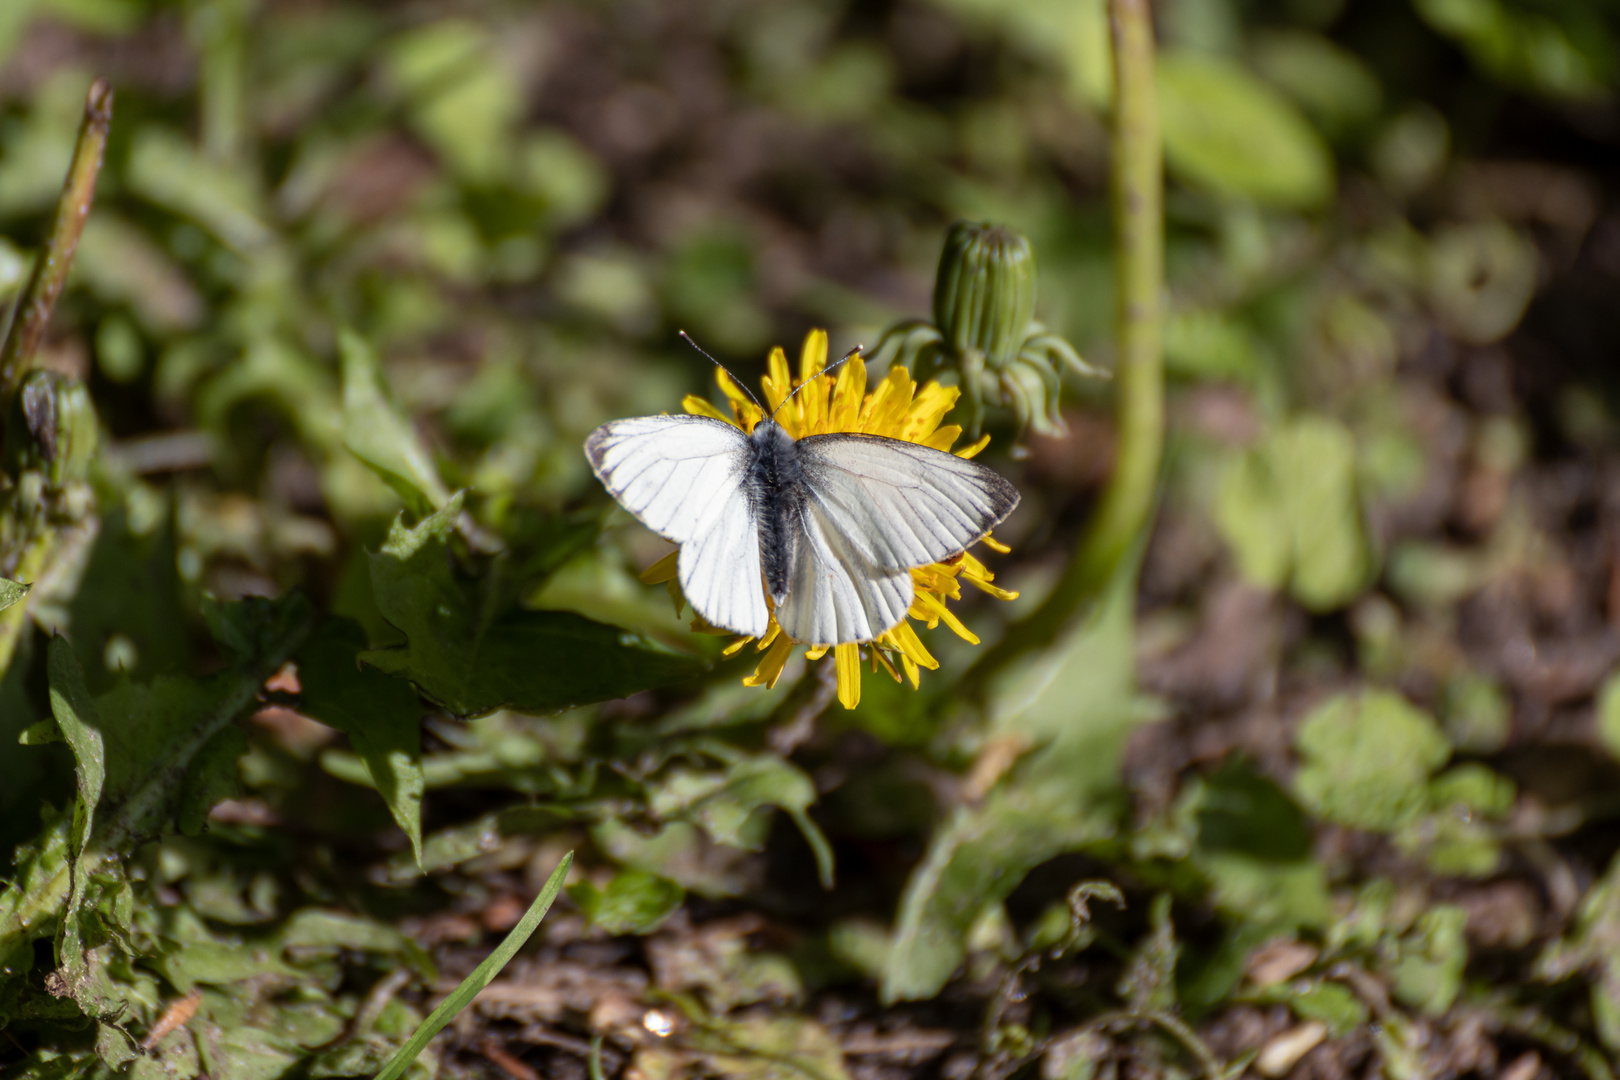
(682,477)
(898,504)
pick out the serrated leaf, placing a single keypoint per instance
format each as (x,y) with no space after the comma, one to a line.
(473,654)
(381,436)
(11,592)
(168,748)
(1228,131)
(381,716)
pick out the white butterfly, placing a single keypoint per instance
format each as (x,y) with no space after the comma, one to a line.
(830,525)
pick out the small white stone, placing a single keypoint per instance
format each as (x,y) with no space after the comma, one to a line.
(1283,1052)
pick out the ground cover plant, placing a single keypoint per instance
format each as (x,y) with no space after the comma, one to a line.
(1277,733)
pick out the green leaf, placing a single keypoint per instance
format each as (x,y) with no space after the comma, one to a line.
(481,976)
(169,747)
(167,169)
(1590,949)
(1481,278)
(1608,715)
(634,902)
(473,655)
(1529,48)
(1331,83)
(76,718)
(1291,512)
(465,100)
(130,590)
(1077,704)
(11,592)
(1254,844)
(1228,131)
(1428,971)
(726,803)
(381,716)
(312,933)
(381,436)
(1366,760)
(764,1047)
(30,902)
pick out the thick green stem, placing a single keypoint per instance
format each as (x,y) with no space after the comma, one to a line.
(1138,207)
(50,272)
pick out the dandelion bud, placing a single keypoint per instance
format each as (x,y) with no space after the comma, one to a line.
(984,294)
(51,429)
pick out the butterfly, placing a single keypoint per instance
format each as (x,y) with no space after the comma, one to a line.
(829,526)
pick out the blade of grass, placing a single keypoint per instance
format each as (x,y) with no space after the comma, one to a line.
(481,977)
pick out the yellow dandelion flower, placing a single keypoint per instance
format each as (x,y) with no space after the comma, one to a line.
(898,408)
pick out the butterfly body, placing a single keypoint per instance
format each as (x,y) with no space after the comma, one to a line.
(775,489)
(830,526)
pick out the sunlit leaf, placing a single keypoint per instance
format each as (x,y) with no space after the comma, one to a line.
(376,433)
(1366,759)
(1227,131)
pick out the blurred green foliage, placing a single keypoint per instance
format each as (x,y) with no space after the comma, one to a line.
(318,639)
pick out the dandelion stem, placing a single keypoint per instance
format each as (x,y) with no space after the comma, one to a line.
(1138,208)
(50,272)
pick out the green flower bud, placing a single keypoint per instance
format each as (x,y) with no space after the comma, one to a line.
(984,294)
(51,429)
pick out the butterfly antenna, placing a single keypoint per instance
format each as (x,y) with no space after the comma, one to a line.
(828,370)
(722,367)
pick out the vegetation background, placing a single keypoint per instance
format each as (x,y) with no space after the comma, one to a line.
(1334,755)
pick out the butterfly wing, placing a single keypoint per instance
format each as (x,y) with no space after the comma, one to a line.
(834,594)
(682,477)
(873,508)
(899,504)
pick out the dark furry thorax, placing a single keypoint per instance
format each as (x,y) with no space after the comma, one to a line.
(775,490)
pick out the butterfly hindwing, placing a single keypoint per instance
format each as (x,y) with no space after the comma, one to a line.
(835,595)
(898,504)
(682,477)
(873,508)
